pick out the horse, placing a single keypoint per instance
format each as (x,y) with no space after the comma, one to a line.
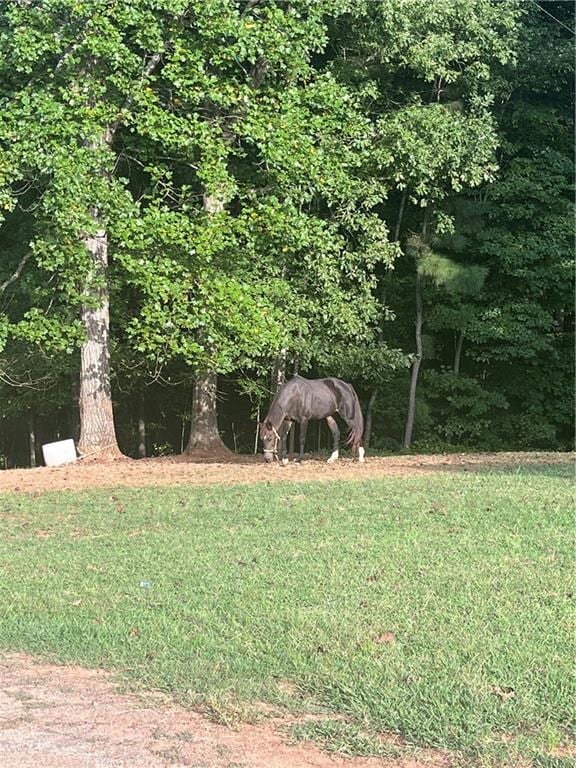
(303,399)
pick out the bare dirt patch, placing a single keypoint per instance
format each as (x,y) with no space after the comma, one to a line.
(70,717)
(180,470)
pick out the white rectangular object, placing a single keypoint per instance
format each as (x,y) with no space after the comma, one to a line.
(62,452)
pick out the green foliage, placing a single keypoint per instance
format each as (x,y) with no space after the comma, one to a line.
(462,411)
(370,365)
(260,170)
(433,151)
(48,333)
(510,247)
(235,112)
(454,277)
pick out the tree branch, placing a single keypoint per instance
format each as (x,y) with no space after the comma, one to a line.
(16,274)
(146,72)
(249,5)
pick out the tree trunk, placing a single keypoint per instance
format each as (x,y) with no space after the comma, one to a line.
(368,419)
(32,438)
(182,430)
(400,214)
(415,366)
(458,353)
(213,203)
(407,441)
(97,431)
(204,435)
(257,433)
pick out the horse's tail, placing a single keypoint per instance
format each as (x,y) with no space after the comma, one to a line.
(356,421)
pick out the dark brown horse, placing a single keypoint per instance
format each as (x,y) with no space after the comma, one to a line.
(304,399)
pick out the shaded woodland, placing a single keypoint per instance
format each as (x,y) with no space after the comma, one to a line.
(200,199)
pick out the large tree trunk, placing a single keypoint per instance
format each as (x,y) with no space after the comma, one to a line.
(204,435)
(97,432)
(415,366)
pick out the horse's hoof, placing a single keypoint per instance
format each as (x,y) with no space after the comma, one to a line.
(333,457)
(284,462)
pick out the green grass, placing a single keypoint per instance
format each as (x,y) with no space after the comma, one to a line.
(437,607)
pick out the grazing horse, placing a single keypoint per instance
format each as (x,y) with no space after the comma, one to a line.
(304,399)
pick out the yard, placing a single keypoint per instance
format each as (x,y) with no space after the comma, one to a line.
(421,616)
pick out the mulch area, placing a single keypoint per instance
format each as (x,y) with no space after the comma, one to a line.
(182,470)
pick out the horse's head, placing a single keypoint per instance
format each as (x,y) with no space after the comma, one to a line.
(270,440)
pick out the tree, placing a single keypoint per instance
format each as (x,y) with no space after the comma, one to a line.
(265,184)
(520,329)
(430,146)
(517,331)
(83,68)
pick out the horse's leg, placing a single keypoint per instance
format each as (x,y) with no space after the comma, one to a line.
(303,429)
(359,449)
(336,439)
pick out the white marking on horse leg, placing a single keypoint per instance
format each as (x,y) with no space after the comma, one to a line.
(285,462)
(361,452)
(333,456)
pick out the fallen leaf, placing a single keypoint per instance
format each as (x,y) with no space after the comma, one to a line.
(134,632)
(386,637)
(504,693)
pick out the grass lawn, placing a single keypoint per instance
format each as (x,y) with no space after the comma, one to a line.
(436,607)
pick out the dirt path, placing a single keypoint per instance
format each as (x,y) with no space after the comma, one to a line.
(70,717)
(248,469)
